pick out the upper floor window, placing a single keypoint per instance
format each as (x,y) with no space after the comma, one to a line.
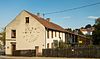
(47,33)
(55,34)
(52,34)
(27,19)
(59,34)
(13,33)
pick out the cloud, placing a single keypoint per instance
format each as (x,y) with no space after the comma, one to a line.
(93,17)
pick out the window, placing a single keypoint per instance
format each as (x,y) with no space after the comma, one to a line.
(13,33)
(27,19)
(52,34)
(52,45)
(55,34)
(59,34)
(47,45)
(47,33)
(62,35)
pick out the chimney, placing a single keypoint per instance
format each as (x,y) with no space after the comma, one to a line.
(48,19)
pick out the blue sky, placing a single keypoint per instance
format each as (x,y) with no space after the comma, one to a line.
(9,9)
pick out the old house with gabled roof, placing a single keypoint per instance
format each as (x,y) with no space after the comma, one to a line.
(32,32)
(28,32)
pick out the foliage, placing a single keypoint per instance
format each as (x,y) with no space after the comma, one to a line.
(96,37)
(55,42)
(62,44)
(59,44)
(96,34)
(3,37)
(88,26)
(69,29)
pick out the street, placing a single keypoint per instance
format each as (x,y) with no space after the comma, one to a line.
(12,57)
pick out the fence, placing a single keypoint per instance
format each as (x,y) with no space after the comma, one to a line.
(24,53)
(72,52)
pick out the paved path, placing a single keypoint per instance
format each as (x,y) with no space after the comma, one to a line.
(12,57)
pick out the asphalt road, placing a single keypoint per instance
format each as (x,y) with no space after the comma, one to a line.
(12,57)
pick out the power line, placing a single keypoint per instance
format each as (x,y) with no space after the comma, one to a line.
(72,9)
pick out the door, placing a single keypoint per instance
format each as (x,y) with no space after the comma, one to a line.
(13,48)
(37,50)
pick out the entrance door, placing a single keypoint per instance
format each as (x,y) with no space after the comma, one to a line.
(37,50)
(13,48)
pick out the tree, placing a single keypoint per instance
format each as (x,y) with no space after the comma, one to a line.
(2,39)
(3,36)
(69,29)
(96,34)
(88,26)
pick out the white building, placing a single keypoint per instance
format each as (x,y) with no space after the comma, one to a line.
(28,32)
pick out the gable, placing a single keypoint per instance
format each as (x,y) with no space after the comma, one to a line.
(14,22)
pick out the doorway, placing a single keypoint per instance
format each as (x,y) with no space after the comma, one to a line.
(37,50)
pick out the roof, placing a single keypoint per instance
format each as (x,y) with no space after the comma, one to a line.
(51,25)
(47,24)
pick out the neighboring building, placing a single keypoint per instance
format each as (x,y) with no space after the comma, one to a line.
(87,31)
(75,39)
(29,32)
(84,31)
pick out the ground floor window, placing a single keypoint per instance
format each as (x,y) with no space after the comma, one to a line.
(47,45)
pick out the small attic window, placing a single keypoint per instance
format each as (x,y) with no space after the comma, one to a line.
(27,19)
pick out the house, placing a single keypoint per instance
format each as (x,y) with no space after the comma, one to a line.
(32,32)
(87,31)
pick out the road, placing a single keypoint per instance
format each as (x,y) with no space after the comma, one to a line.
(12,57)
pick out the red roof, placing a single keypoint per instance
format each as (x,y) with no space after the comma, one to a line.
(47,24)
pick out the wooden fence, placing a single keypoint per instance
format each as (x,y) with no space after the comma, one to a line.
(81,52)
(28,53)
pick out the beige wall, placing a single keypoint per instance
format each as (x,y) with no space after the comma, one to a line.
(34,36)
(27,35)
(11,26)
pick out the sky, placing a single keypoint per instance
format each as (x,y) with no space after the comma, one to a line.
(9,9)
